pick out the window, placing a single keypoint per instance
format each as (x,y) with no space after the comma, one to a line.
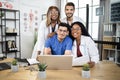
(80,6)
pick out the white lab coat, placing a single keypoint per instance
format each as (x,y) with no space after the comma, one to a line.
(42,36)
(88,49)
(74,20)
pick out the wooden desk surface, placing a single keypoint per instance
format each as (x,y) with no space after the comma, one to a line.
(102,71)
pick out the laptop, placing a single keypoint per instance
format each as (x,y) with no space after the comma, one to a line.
(5,66)
(57,62)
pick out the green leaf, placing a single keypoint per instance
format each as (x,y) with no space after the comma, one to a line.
(42,66)
(14,62)
(86,67)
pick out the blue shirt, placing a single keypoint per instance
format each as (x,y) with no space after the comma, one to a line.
(58,48)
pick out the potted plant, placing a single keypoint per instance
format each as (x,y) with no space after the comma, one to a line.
(86,71)
(14,65)
(42,70)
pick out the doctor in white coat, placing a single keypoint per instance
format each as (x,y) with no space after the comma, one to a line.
(84,49)
(47,29)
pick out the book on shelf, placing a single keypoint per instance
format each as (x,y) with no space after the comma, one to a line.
(11,45)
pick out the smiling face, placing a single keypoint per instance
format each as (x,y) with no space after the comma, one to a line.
(62,33)
(69,11)
(76,31)
(54,14)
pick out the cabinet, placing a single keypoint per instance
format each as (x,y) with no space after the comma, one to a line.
(111,33)
(10,32)
(115,11)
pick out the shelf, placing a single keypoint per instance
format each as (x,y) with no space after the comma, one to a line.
(109,49)
(2,25)
(111,23)
(105,36)
(107,42)
(10,38)
(111,41)
(11,51)
(11,10)
(10,19)
(11,34)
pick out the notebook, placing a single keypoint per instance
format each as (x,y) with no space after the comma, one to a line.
(5,66)
(32,61)
(57,62)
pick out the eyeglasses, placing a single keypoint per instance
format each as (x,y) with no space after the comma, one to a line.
(75,29)
(54,12)
(64,31)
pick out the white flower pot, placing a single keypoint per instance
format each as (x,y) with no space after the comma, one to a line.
(14,68)
(42,74)
(86,74)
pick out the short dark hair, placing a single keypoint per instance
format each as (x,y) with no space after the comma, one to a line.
(70,4)
(64,25)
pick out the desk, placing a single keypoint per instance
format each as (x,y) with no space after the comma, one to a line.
(104,70)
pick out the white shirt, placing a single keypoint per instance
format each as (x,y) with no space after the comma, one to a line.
(42,36)
(88,49)
(74,20)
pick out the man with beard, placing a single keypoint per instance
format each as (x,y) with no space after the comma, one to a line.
(70,18)
(69,11)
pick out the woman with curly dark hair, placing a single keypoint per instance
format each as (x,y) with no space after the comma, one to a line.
(84,49)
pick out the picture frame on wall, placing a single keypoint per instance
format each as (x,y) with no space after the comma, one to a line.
(99,11)
(44,16)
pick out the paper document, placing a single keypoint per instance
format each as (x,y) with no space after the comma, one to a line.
(80,61)
(32,61)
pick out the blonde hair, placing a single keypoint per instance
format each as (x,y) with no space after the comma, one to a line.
(48,22)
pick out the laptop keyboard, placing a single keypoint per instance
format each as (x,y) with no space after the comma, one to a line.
(4,66)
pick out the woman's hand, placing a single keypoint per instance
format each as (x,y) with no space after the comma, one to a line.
(50,34)
(38,53)
(91,64)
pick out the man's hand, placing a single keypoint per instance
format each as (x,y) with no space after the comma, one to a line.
(47,51)
(67,52)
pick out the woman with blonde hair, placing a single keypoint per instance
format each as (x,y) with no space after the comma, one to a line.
(47,29)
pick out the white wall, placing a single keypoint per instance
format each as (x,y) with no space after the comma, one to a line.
(63,2)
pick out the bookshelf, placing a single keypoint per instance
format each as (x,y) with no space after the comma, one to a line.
(10,32)
(111,33)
